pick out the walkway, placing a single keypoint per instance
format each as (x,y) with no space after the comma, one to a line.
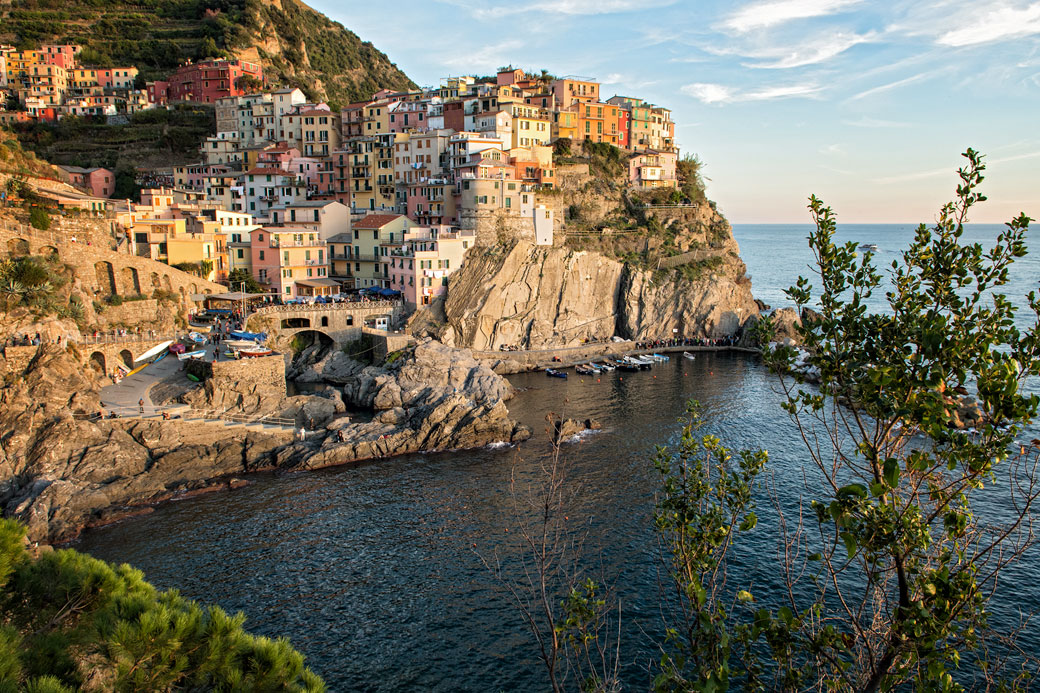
(124,396)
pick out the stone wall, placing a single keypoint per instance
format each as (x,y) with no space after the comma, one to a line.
(98,272)
(251,386)
(17,358)
(384,343)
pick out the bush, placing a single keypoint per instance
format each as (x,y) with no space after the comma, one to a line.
(81,618)
(39,218)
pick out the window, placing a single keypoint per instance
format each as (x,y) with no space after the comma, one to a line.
(261,255)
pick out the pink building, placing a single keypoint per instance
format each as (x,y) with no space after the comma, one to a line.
(419,265)
(101,182)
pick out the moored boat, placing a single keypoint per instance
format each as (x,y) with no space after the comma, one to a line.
(688,355)
(254,352)
(553,373)
(582,369)
(605,366)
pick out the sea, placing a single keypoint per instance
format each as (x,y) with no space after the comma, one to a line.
(378,572)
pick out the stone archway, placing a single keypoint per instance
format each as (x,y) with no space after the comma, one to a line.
(97,362)
(131,283)
(127,358)
(106,278)
(294,323)
(166,282)
(49,252)
(18,246)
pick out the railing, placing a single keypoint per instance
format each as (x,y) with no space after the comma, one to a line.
(179,412)
(346,306)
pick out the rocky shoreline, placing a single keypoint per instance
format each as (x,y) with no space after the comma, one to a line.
(61,472)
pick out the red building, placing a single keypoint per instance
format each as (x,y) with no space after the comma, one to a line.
(623,121)
(101,182)
(204,81)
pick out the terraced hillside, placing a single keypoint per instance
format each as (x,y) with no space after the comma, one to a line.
(297,45)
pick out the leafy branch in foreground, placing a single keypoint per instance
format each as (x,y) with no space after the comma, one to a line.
(72,622)
(902,565)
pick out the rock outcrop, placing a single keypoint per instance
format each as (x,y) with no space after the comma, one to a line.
(536,297)
(60,472)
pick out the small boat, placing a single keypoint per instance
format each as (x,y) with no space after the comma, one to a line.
(197,338)
(868,247)
(194,378)
(177,348)
(161,357)
(250,336)
(628,366)
(688,355)
(605,366)
(660,357)
(553,373)
(199,354)
(640,361)
(153,351)
(199,328)
(254,352)
(582,369)
(239,344)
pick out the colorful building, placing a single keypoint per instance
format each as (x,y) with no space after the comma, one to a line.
(206,81)
(290,262)
(99,182)
(418,265)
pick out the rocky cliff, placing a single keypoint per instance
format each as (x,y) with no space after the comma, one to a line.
(538,297)
(60,472)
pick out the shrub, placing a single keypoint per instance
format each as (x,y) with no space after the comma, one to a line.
(39,218)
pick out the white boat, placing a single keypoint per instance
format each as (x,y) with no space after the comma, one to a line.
(239,344)
(197,338)
(688,355)
(200,354)
(154,351)
(605,366)
(660,357)
(868,247)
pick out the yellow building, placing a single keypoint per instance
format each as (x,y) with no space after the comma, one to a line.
(532,126)
(168,240)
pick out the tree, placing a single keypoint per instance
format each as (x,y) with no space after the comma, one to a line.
(241,276)
(68,617)
(903,567)
(886,583)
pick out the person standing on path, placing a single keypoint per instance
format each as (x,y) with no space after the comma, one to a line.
(140,404)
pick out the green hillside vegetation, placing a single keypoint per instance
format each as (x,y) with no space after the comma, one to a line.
(157,137)
(296,45)
(72,622)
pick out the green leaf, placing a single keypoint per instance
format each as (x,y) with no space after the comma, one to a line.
(891,472)
(745,596)
(850,543)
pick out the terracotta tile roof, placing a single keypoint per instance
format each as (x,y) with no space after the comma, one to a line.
(376,221)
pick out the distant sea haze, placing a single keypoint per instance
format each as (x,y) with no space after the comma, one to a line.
(777,254)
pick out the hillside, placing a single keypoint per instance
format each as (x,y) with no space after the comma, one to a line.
(296,45)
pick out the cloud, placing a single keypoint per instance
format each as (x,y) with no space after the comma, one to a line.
(832,149)
(485,58)
(895,85)
(993,25)
(936,173)
(769,13)
(709,93)
(569,7)
(820,51)
(867,122)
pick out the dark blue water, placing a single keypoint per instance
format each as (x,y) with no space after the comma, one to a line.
(374,570)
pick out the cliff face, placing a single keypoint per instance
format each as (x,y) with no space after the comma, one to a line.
(538,297)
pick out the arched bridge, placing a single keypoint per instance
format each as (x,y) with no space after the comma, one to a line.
(341,322)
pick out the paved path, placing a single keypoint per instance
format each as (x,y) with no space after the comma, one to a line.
(125,396)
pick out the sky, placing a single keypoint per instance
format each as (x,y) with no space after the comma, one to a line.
(867,105)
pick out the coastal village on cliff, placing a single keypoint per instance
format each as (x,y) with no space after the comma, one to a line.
(401,254)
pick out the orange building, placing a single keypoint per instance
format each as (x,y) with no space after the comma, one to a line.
(597,122)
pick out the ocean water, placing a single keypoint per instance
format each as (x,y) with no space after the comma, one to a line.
(374,570)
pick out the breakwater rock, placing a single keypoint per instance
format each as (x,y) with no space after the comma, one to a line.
(60,472)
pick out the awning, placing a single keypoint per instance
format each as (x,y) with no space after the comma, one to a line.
(233,296)
(318,282)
